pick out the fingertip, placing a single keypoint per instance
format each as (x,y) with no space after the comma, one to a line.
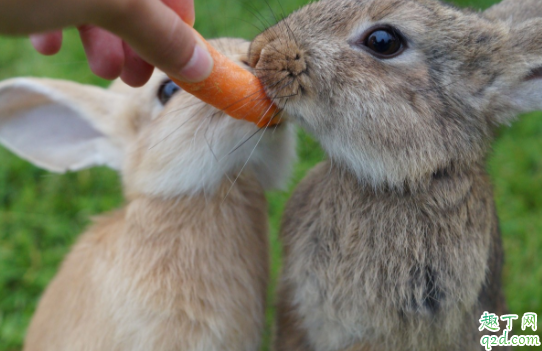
(104,51)
(136,71)
(136,79)
(47,43)
(109,67)
(200,65)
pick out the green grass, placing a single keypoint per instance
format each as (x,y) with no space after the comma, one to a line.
(41,214)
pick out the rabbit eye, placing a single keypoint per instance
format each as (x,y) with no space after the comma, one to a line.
(166,91)
(384,42)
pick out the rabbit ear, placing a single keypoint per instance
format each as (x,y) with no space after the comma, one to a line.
(61,126)
(515,11)
(522,87)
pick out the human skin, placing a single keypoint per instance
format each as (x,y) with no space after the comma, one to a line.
(113,36)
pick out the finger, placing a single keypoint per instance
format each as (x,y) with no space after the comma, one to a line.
(104,51)
(184,8)
(47,43)
(161,38)
(136,71)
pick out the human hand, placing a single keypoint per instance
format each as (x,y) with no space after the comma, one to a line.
(153,31)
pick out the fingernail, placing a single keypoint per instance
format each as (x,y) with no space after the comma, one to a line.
(200,65)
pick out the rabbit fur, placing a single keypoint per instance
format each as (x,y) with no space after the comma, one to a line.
(394,243)
(184,264)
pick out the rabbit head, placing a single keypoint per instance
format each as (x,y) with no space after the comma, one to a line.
(400,90)
(164,141)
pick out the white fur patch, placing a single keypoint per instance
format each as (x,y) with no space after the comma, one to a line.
(192,150)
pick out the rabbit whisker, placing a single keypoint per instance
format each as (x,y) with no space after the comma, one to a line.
(275,127)
(209,144)
(238,146)
(248,22)
(259,16)
(285,21)
(252,10)
(248,159)
(176,129)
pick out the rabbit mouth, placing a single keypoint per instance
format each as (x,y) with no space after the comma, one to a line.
(282,86)
(283,71)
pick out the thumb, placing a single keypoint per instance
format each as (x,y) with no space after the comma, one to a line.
(161,38)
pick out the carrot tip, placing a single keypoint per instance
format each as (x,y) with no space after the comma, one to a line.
(234,90)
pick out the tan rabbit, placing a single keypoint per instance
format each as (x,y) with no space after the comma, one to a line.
(184,265)
(394,243)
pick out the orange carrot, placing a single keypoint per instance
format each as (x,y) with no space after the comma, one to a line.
(233,90)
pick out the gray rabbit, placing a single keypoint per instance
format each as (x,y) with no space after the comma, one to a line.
(394,243)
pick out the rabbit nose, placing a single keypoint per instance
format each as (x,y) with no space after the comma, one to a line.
(282,66)
(279,57)
(296,64)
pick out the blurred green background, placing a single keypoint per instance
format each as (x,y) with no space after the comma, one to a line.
(41,214)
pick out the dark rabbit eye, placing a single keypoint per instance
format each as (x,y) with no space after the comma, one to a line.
(384,42)
(166,91)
